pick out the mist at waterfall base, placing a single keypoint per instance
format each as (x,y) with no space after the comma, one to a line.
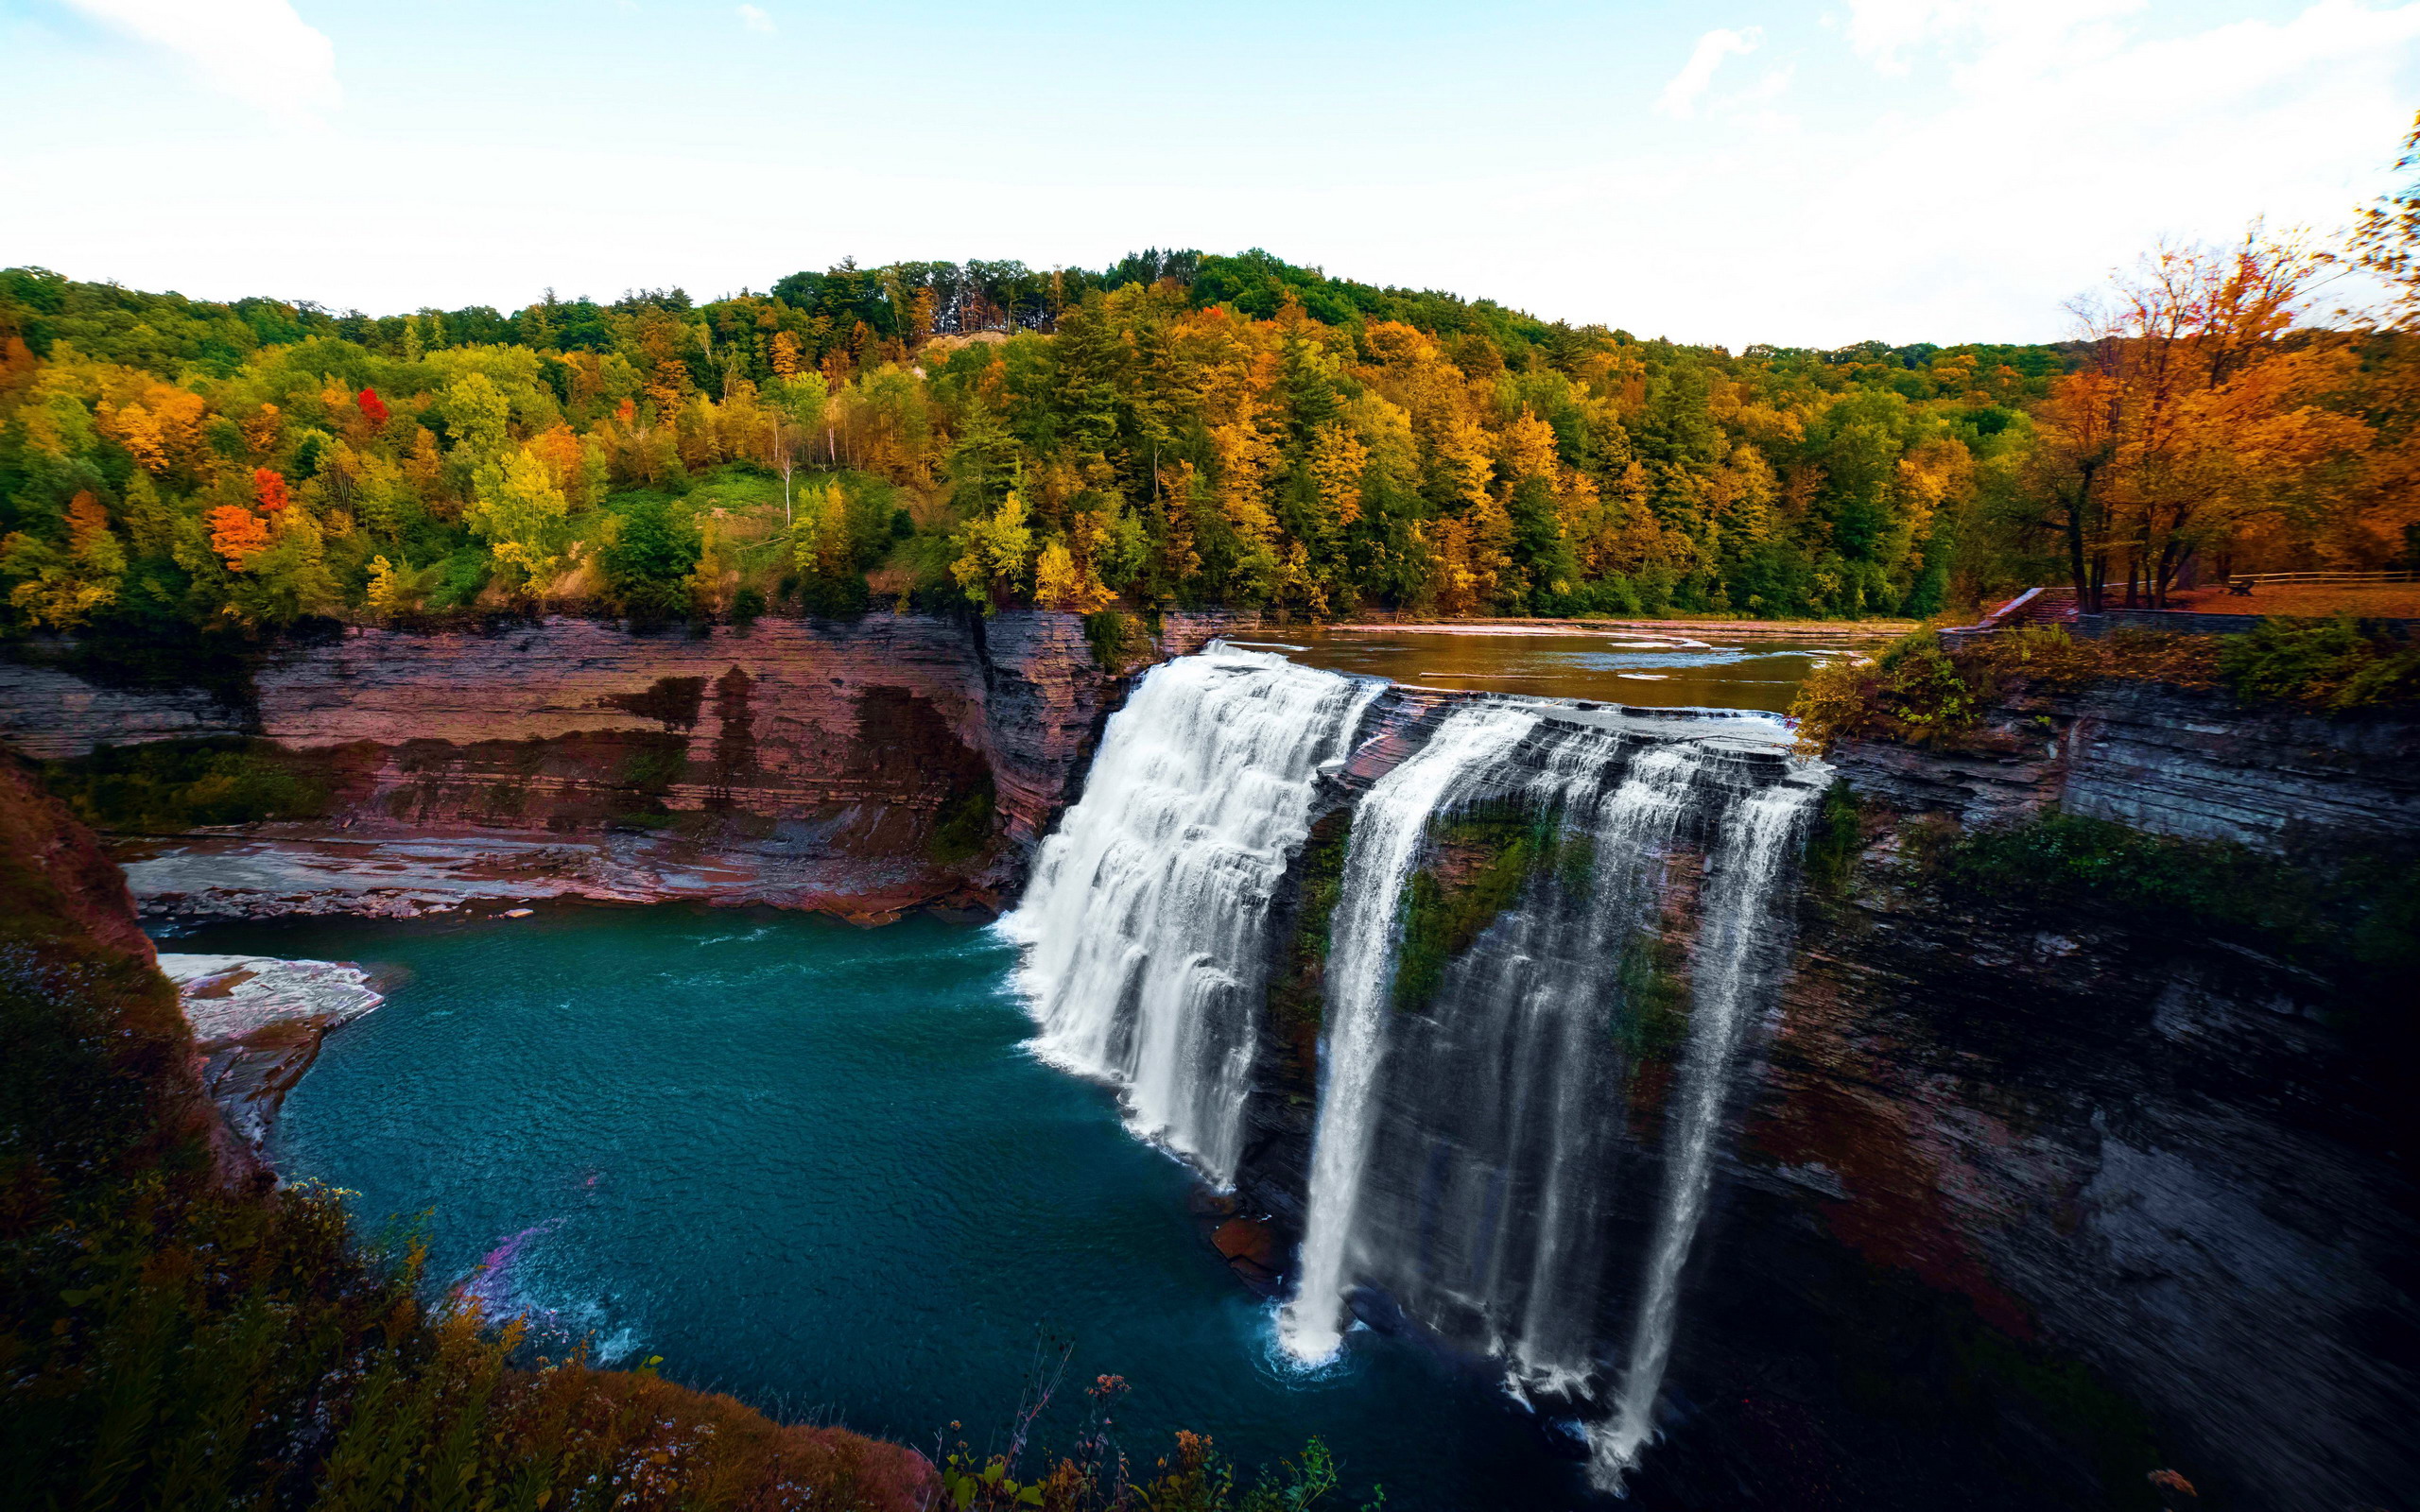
(814,1166)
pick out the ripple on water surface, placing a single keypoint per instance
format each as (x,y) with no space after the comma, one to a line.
(813,1165)
(1699,667)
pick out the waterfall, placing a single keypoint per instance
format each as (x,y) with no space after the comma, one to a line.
(1145,925)
(1476,1203)
(1520,946)
(1734,956)
(1387,829)
(1629,827)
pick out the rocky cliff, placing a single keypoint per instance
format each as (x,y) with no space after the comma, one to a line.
(2021,1203)
(2167,760)
(861,768)
(2076,1200)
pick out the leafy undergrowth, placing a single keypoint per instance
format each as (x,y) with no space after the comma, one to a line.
(2331,665)
(2366,911)
(168,786)
(1921,691)
(2354,921)
(1096,1475)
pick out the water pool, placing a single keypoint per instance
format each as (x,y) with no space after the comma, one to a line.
(812,1165)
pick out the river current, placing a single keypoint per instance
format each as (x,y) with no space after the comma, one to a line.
(818,1167)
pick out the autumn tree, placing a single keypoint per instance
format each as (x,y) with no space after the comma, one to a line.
(2194,428)
(61,588)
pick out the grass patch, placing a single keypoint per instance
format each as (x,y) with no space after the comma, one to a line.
(1654,1018)
(2357,922)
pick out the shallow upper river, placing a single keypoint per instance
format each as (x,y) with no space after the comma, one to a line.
(1662,670)
(812,1165)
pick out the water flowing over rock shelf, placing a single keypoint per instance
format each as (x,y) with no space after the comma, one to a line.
(1492,1109)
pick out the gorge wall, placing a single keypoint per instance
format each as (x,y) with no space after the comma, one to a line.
(860,767)
(2170,761)
(1992,1208)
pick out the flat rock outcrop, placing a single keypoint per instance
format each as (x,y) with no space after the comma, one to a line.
(258,1022)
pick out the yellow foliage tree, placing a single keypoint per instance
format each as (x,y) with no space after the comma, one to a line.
(61,589)
(993,553)
(1061,583)
(519,513)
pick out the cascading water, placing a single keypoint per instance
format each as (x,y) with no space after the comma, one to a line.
(1387,829)
(1145,925)
(1735,960)
(1470,1151)
(1522,957)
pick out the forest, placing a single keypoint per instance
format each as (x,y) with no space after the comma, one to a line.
(1179,430)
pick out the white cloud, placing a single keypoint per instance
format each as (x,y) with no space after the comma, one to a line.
(2000,34)
(755,20)
(257,50)
(2070,141)
(1680,98)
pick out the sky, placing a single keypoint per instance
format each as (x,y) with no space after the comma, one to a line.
(1804,174)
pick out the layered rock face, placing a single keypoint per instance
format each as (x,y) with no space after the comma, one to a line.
(861,766)
(1978,1148)
(2009,1215)
(2170,761)
(2053,1193)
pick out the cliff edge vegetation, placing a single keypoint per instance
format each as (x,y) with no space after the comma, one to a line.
(1923,690)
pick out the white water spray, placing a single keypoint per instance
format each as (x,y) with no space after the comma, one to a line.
(1146,922)
(1630,825)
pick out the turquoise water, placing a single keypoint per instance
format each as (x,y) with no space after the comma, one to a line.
(810,1165)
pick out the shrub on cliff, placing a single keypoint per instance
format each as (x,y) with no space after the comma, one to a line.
(1911,690)
(2329,665)
(1942,696)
